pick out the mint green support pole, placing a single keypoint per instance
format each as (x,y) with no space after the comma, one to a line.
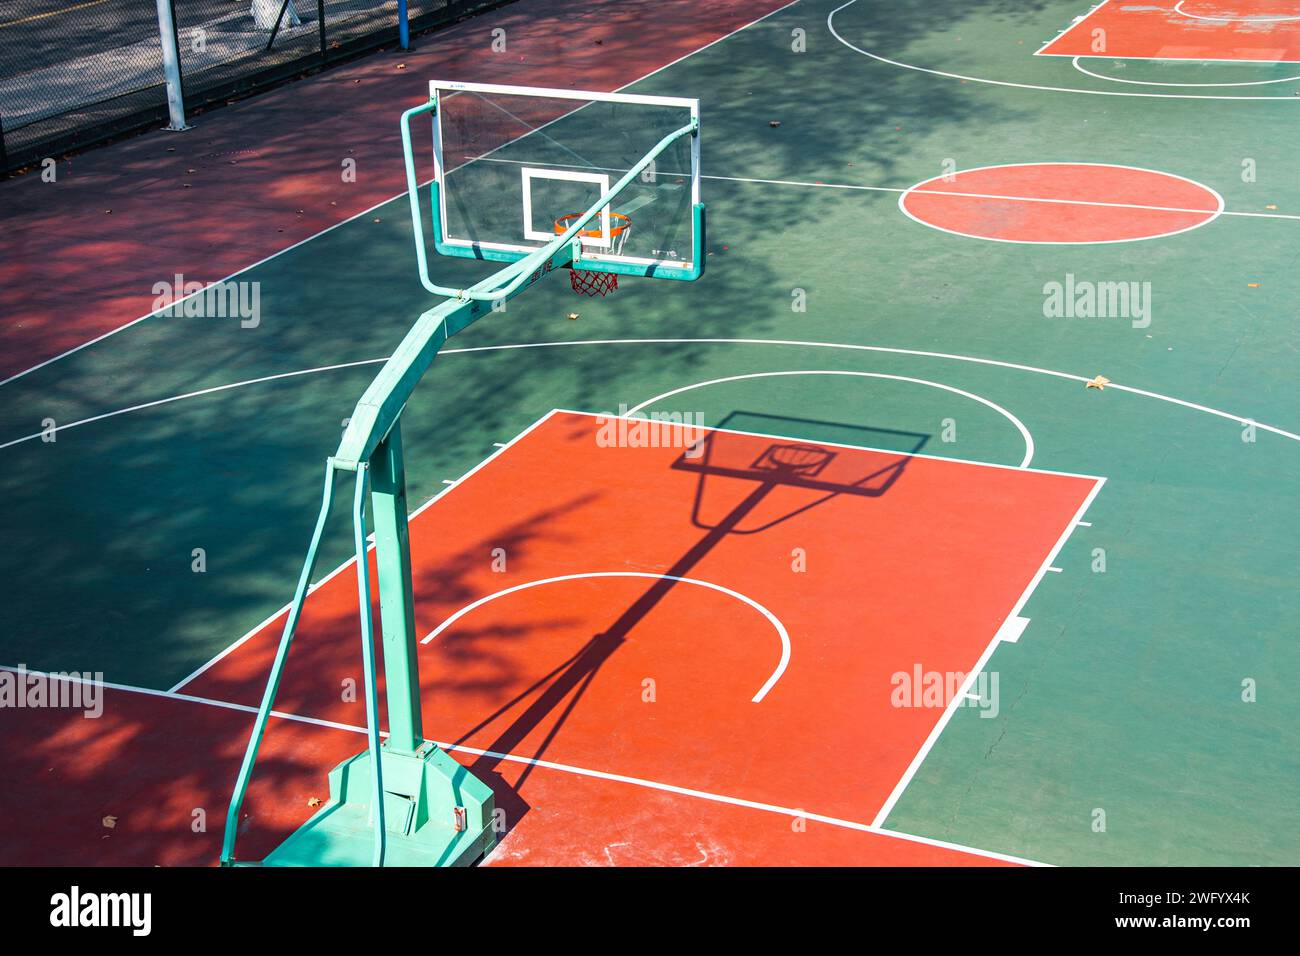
(396,610)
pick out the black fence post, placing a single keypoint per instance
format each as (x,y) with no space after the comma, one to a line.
(320,15)
(4,156)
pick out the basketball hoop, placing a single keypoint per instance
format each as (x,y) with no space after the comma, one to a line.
(584,281)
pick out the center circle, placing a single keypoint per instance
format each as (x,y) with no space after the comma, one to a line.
(1070,203)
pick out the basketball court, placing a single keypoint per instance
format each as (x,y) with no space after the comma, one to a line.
(899,469)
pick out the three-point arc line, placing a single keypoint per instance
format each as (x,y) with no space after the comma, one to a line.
(772,618)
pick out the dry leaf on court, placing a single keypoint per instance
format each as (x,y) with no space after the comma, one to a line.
(1100,382)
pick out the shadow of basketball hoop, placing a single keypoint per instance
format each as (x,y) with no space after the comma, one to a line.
(772,455)
(772,466)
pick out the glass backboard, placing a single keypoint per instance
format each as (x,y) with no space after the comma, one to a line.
(511,162)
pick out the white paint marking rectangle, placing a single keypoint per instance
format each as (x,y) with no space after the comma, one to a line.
(1011,629)
(599,180)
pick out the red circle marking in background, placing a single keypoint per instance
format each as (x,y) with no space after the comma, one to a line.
(1013,219)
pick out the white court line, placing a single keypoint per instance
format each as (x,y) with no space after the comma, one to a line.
(830,25)
(176,398)
(1178,8)
(833,444)
(364,212)
(1076,23)
(1020,426)
(956,701)
(965,195)
(947,356)
(889,350)
(772,619)
(571,769)
(351,560)
(1116,79)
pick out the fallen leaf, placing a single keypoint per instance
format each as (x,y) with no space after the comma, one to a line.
(110,822)
(1099,383)
(573,316)
(314,802)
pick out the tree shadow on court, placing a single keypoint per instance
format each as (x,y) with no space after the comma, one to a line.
(105,524)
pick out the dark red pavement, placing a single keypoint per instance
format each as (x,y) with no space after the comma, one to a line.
(79,257)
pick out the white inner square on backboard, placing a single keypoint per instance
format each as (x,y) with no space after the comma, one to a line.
(600,180)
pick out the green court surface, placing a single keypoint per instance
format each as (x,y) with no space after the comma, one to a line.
(1125,692)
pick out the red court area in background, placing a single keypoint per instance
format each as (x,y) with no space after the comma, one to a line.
(1248,31)
(1061,203)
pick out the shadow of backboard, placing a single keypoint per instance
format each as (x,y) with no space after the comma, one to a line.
(794,464)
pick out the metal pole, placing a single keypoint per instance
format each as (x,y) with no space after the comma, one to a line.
(320,15)
(403,25)
(396,601)
(278,20)
(4,156)
(171,65)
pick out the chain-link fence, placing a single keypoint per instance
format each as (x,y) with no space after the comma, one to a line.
(74,72)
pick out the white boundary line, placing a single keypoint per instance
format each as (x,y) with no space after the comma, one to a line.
(904,189)
(1074,25)
(888,350)
(956,701)
(1116,79)
(1212,214)
(364,212)
(1020,426)
(196,394)
(830,25)
(352,560)
(947,356)
(835,444)
(568,768)
(781,632)
(1178,8)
